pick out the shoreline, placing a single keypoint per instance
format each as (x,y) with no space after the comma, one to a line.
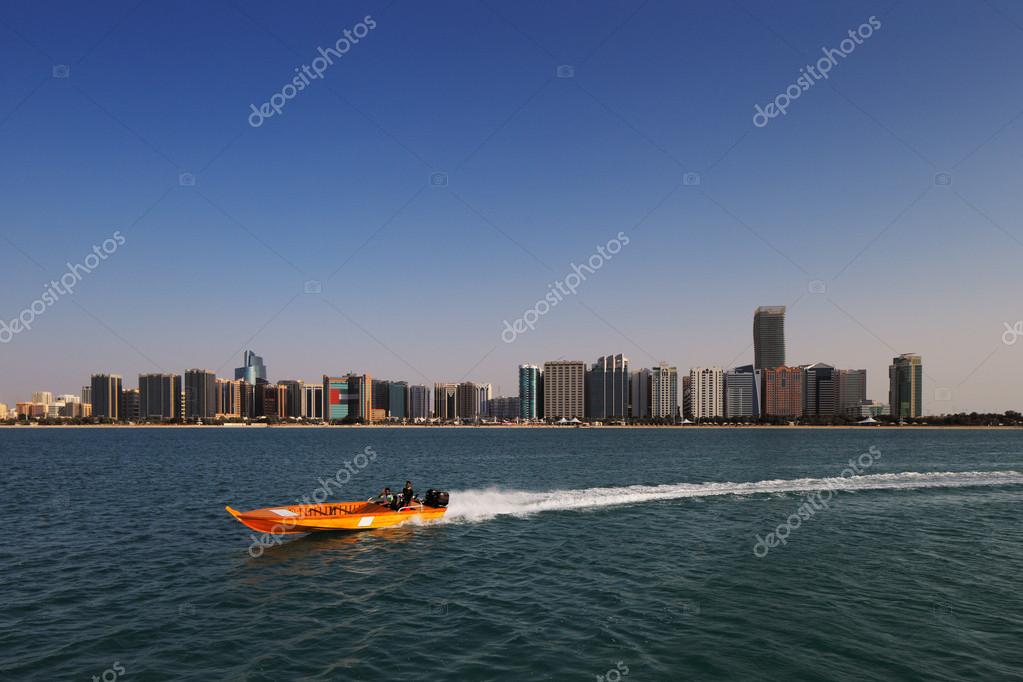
(778,427)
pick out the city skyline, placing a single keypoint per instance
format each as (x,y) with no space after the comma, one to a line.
(544,145)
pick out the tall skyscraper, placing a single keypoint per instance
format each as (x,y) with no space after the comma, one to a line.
(294,398)
(445,401)
(529,392)
(564,394)
(708,395)
(200,394)
(159,396)
(783,392)
(106,396)
(905,381)
(419,402)
(87,395)
(229,398)
(484,393)
(663,391)
(468,397)
(851,388)
(313,401)
(382,396)
(639,394)
(336,398)
(252,369)
(131,402)
(607,388)
(397,400)
(820,390)
(769,337)
(742,392)
(687,397)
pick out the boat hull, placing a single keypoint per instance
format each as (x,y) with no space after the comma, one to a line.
(310,518)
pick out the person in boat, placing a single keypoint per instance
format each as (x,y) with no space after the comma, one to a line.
(407,494)
(385,498)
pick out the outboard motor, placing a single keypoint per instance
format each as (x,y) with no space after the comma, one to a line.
(435,498)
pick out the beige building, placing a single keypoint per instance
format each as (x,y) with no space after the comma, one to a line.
(564,389)
(706,385)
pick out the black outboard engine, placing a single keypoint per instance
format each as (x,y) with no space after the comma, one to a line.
(435,498)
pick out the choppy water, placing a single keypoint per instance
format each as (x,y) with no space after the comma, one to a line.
(564,555)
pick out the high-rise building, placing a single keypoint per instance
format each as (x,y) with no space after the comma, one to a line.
(42,397)
(419,402)
(382,395)
(4,411)
(564,389)
(106,396)
(687,397)
(313,401)
(200,394)
(336,398)
(783,392)
(529,392)
(158,396)
(664,392)
(468,400)
(229,398)
(445,401)
(905,381)
(769,336)
(87,395)
(294,398)
(707,387)
(851,389)
(607,388)
(348,398)
(484,393)
(820,390)
(271,400)
(639,394)
(397,400)
(132,404)
(742,392)
(252,370)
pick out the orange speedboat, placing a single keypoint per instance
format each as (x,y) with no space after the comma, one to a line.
(308,518)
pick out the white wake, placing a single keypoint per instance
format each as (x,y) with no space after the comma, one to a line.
(483,504)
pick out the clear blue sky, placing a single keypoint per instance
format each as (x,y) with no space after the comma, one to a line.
(540,171)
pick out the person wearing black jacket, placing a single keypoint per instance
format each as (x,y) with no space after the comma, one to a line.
(407,495)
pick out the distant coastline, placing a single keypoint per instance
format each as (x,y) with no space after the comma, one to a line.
(860,427)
